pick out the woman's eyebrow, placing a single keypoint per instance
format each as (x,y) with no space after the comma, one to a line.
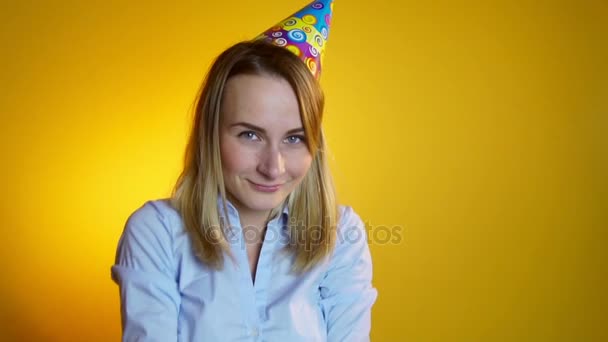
(263,131)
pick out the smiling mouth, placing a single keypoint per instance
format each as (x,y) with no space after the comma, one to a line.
(265,188)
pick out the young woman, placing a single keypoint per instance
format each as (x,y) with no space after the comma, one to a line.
(252,245)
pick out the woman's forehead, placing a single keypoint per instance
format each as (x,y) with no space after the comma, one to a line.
(260,100)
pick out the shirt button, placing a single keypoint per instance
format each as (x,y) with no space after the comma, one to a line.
(254,332)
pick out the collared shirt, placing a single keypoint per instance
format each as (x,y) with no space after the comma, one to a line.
(167,294)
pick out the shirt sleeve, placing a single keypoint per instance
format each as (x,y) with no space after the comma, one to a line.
(146,275)
(347,294)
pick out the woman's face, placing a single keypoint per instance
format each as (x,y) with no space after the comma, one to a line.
(262,142)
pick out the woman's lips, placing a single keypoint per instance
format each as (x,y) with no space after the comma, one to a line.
(265,188)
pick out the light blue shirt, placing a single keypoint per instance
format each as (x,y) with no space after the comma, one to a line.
(168,295)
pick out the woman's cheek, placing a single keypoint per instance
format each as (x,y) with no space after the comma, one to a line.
(300,165)
(232,156)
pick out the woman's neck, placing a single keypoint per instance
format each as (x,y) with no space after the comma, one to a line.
(253,220)
(253,226)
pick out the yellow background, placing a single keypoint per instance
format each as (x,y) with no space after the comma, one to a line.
(477,128)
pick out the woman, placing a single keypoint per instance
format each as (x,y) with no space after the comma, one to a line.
(251,245)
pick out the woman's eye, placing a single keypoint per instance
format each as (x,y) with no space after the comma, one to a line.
(249,135)
(295,139)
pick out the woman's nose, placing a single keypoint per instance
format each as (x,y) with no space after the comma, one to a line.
(272,163)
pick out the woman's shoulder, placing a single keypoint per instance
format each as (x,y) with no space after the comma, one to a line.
(148,242)
(154,216)
(160,208)
(348,217)
(351,229)
(351,247)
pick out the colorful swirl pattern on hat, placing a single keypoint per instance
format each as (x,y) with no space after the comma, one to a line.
(305,33)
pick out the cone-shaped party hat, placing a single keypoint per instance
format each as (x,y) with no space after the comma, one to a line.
(304,33)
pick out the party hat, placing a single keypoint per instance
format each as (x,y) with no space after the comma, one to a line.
(304,33)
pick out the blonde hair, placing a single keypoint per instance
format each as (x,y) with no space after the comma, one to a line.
(313,213)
